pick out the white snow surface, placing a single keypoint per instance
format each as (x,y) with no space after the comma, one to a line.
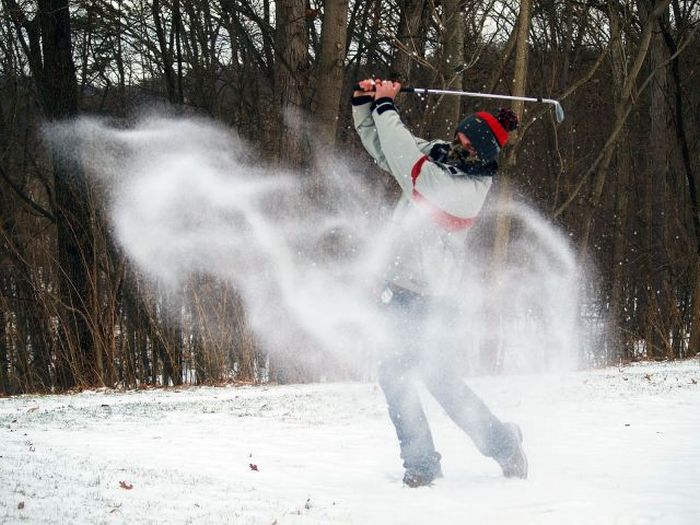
(615,445)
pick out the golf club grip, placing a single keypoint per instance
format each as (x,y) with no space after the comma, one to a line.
(356,87)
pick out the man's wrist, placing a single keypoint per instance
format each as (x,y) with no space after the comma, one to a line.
(384,104)
(362,100)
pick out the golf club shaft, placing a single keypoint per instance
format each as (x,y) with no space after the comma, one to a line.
(428,91)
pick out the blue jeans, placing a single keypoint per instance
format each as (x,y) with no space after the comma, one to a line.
(414,319)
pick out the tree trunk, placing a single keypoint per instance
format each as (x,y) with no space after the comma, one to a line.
(492,349)
(694,342)
(75,240)
(4,362)
(408,38)
(330,71)
(447,114)
(659,292)
(166,54)
(291,78)
(620,241)
(50,58)
(505,189)
(692,186)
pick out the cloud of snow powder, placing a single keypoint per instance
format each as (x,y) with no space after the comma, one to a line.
(185,197)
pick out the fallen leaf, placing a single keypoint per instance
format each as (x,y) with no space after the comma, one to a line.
(126,485)
(253,466)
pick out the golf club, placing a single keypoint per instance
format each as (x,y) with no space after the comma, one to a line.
(558,110)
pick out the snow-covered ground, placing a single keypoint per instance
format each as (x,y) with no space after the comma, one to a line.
(607,446)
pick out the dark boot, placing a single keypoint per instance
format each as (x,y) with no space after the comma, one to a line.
(423,473)
(512,460)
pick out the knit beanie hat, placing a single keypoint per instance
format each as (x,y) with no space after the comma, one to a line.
(488,133)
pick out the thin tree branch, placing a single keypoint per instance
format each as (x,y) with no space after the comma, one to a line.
(28,200)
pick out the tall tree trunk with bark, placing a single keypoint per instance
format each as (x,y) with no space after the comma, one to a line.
(447,114)
(659,292)
(331,66)
(691,178)
(173,80)
(505,189)
(4,362)
(491,351)
(291,77)
(408,39)
(622,191)
(50,57)
(75,236)
(328,90)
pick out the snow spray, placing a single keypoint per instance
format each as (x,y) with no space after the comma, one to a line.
(183,199)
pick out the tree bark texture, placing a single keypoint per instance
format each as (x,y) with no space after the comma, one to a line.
(331,69)
(622,193)
(504,185)
(659,304)
(407,40)
(291,78)
(50,56)
(448,112)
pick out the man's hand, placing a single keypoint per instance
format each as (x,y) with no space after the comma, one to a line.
(386,88)
(366,88)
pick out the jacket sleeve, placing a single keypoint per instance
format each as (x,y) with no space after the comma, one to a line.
(364,125)
(400,148)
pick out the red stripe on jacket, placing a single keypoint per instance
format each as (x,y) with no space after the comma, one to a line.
(446,220)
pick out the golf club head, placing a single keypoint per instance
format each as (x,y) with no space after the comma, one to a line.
(558,112)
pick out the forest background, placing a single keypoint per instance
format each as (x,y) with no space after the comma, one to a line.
(619,175)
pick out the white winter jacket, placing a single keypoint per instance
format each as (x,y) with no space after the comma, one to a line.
(437,205)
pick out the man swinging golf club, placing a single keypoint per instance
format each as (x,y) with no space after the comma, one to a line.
(444,185)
